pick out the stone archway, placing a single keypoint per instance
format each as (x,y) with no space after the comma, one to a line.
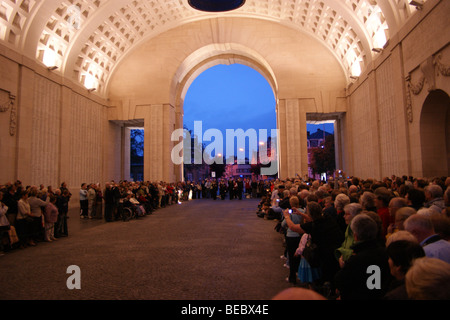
(152,82)
(435,134)
(210,56)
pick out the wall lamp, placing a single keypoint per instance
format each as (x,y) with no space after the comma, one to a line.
(377,50)
(51,68)
(416,3)
(354,77)
(92,89)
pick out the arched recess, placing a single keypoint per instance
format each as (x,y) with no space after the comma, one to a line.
(435,134)
(210,56)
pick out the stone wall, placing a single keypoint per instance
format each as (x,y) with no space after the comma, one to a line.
(61,132)
(384,131)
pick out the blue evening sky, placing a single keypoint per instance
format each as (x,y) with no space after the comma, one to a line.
(232,97)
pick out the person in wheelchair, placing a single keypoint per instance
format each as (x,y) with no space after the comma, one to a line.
(132,203)
(142,199)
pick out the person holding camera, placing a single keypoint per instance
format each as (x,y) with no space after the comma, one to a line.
(292,239)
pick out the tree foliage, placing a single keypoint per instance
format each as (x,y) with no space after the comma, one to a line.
(323,157)
(136,144)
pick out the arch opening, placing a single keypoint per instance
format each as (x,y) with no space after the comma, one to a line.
(435,134)
(211,56)
(324,145)
(230,114)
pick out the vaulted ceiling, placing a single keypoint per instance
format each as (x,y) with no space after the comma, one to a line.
(87,39)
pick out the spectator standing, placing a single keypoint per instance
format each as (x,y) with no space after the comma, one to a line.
(344,252)
(84,203)
(416,198)
(306,274)
(402,254)
(91,194)
(98,202)
(428,279)
(422,228)
(50,216)
(325,233)
(351,280)
(382,200)
(37,207)
(10,199)
(24,221)
(434,198)
(4,226)
(62,203)
(292,240)
(109,202)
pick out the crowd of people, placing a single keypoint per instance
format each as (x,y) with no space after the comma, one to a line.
(364,239)
(32,214)
(344,238)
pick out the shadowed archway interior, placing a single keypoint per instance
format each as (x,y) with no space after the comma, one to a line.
(435,134)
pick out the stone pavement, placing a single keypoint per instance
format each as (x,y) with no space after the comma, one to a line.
(199,250)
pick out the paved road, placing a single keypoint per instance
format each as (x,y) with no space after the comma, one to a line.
(200,250)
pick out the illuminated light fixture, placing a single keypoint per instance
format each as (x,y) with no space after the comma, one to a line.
(49,59)
(416,3)
(356,69)
(90,82)
(216,5)
(380,38)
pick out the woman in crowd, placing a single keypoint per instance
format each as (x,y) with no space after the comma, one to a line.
(325,234)
(24,221)
(344,252)
(402,254)
(292,239)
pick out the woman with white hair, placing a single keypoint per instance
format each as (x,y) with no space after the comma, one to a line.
(352,279)
(344,252)
(340,202)
(428,279)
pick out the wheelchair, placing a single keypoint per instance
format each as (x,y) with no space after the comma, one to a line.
(125,213)
(128,214)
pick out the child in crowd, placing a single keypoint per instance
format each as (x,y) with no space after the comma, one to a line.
(306,274)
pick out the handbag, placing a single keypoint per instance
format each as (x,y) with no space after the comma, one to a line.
(310,253)
(13,238)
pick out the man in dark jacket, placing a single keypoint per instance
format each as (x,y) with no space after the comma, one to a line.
(108,197)
(366,274)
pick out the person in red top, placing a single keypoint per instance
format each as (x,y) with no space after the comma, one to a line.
(169,190)
(383,196)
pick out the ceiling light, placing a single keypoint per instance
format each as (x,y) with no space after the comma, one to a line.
(216,5)
(50,58)
(90,82)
